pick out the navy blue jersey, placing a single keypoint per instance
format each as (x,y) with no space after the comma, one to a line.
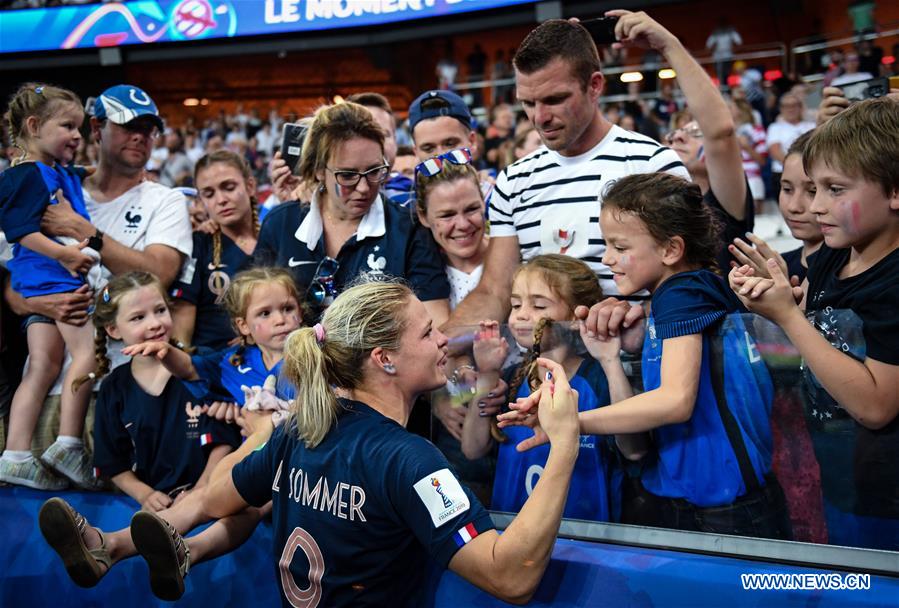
(387,242)
(793,258)
(25,192)
(857,315)
(356,518)
(590,495)
(220,379)
(162,438)
(203,284)
(696,459)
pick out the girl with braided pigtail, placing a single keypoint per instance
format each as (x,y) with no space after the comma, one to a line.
(222,247)
(545,292)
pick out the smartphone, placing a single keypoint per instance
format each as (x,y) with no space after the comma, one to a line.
(292,136)
(602,29)
(866,89)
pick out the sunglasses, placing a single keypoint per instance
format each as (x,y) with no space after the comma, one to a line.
(433,166)
(322,290)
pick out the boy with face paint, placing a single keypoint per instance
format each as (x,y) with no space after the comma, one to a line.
(848,334)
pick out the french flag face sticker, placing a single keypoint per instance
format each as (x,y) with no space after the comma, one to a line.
(205,438)
(464,535)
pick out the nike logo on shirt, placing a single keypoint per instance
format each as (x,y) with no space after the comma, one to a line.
(292,262)
(243,370)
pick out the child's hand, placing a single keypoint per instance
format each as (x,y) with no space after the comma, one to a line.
(225,412)
(774,298)
(153,348)
(156,501)
(604,350)
(74,260)
(756,254)
(490,349)
(524,413)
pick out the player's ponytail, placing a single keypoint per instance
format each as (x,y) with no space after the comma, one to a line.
(332,354)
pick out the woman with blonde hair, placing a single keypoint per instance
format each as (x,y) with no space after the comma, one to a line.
(363,499)
(349,229)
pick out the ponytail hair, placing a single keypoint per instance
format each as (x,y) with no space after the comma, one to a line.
(331,355)
(106,308)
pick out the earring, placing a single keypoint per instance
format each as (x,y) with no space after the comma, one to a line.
(389,368)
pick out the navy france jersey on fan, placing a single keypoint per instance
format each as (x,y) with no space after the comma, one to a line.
(163,438)
(593,494)
(220,379)
(697,461)
(356,518)
(203,284)
(386,242)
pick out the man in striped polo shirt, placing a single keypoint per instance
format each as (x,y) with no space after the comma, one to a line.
(549,201)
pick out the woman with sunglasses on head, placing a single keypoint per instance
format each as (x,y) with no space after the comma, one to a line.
(349,229)
(708,145)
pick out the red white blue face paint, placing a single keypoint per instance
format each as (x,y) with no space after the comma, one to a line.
(342,191)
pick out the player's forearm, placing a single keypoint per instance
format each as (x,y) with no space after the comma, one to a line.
(180,365)
(215,456)
(524,549)
(258,438)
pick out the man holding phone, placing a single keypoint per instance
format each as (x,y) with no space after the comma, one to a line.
(548,202)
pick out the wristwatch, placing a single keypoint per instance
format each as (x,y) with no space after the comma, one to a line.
(96,242)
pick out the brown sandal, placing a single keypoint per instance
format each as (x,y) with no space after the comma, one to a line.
(165,551)
(63,528)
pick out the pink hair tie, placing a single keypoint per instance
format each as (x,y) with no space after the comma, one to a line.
(319,330)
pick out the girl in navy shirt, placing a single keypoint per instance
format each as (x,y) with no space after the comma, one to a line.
(545,290)
(708,393)
(227,188)
(44,122)
(153,440)
(264,307)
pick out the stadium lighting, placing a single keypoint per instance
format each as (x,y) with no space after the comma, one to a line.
(338,99)
(631,77)
(667,74)
(191,101)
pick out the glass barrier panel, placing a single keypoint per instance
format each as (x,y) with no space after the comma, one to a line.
(763,452)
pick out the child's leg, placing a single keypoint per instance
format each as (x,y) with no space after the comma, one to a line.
(73,408)
(46,349)
(169,556)
(67,455)
(17,465)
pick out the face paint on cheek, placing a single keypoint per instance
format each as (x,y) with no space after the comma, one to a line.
(848,213)
(341,191)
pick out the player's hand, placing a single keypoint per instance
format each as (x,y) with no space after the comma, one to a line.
(152,348)
(156,501)
(74,260)
(450,416)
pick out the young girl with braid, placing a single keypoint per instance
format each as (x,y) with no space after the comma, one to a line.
(263,305)
(149,436)
(545,292)
(225,185)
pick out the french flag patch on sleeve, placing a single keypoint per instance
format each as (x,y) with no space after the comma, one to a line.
(205,438)
(464,535)
(96,473)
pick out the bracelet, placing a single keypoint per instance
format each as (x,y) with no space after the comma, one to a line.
(455,376)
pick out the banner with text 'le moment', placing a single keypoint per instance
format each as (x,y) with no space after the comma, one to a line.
(147,21)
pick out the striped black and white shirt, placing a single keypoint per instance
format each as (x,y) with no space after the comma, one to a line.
(551,202)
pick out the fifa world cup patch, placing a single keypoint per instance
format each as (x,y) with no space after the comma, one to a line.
(442,496)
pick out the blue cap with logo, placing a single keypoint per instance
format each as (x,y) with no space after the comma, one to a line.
(452,106)
(123,103)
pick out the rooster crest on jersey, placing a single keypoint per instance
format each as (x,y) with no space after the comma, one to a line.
(193,419)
